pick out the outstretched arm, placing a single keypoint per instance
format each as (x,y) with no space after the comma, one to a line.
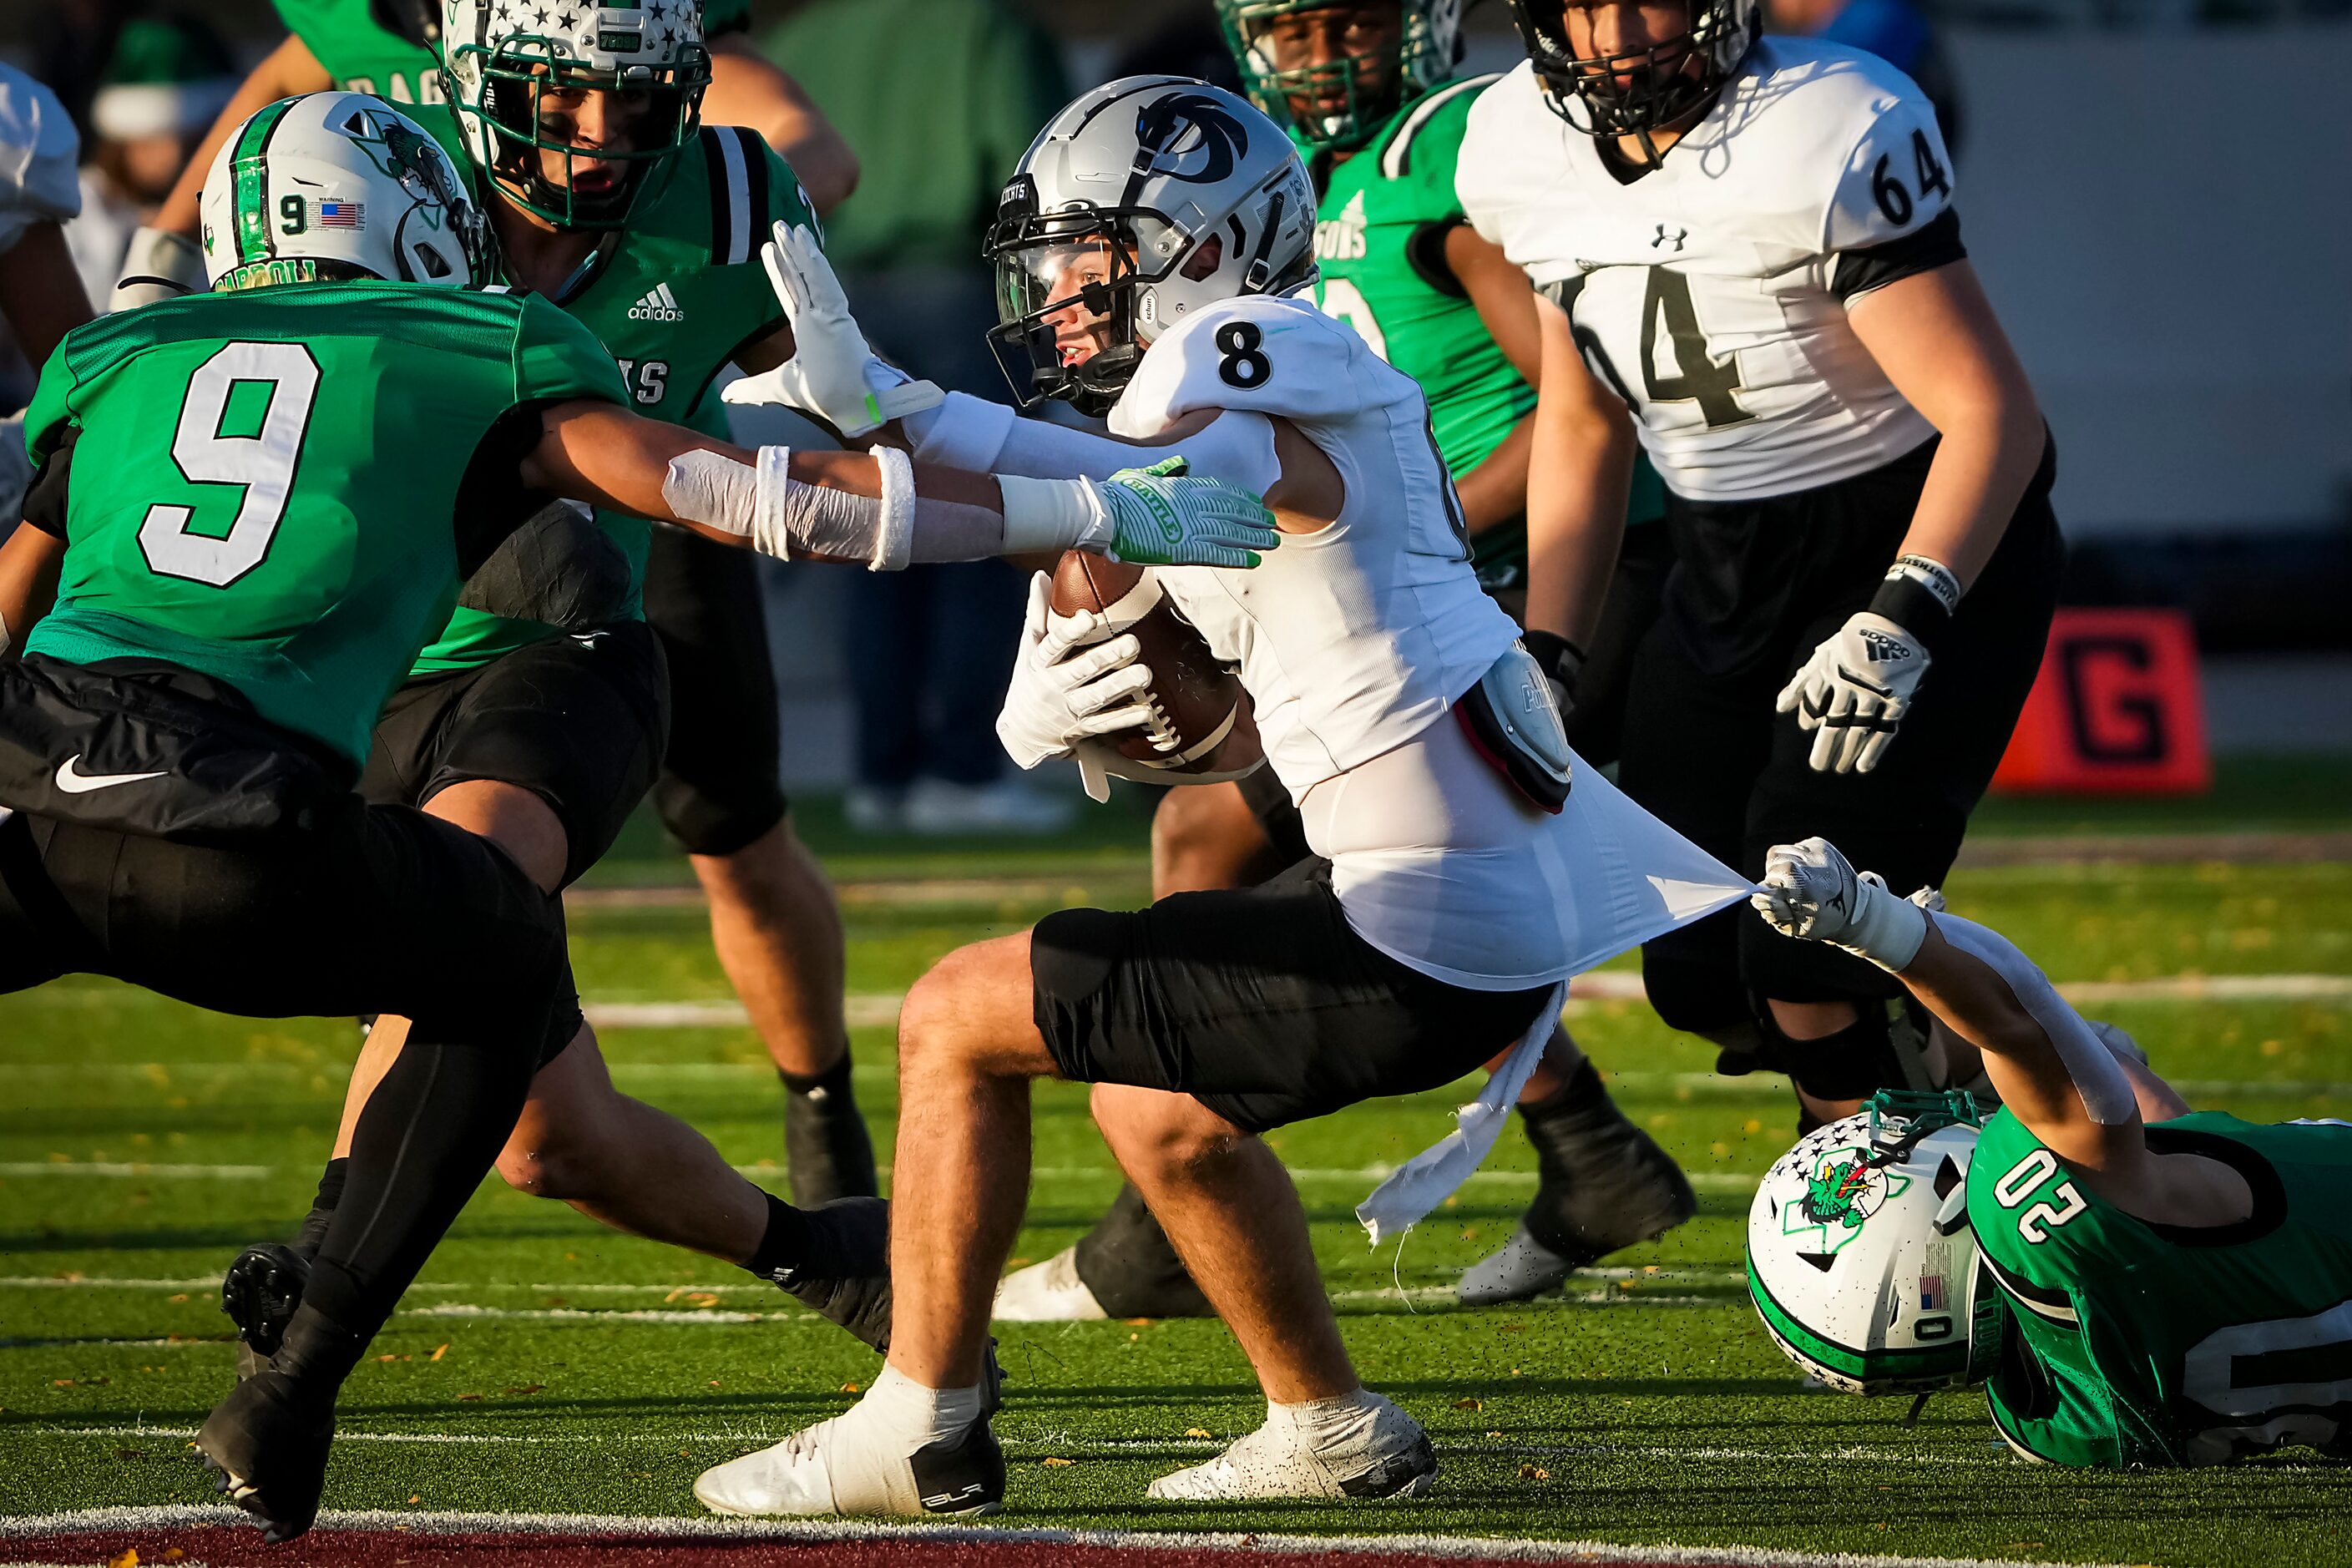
(878,508)
(2052,1069)
(748,88)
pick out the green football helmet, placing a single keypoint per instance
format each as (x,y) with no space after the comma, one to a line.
(1373,87)
(1859,1258)
(504,59)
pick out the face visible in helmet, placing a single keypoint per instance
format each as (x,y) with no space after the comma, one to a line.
(1069,276)
(589,138)
(1336,62)
(1625,50)
(1637,71)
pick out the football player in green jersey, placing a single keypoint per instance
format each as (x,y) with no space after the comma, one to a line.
(717,786)
(235,600)
(1367,90)
(391,49)
(2135,1284)
(609,200)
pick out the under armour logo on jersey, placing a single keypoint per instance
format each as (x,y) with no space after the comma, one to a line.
(1666,237)
(1884,649)
(658,305)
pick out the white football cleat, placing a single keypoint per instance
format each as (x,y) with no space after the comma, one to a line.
(853,1464)
(1520,1268)
(1384,1455)
(1047,1292)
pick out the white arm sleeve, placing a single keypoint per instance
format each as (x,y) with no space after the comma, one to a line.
(2105,1088)
(984,438)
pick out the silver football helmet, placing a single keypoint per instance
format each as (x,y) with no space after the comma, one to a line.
(1142,202)
(1859,1258)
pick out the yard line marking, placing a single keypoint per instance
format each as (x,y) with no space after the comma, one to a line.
(118,1168)
(578,1314)
(588,1528)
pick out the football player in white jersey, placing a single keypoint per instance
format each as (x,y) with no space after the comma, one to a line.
(1750,245)
(41,297)
(1152,251)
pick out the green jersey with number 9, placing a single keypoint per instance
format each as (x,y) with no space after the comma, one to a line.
(2137,1343)
(271,487)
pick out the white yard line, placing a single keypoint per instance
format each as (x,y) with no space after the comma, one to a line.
(121,1168)
(587,1527)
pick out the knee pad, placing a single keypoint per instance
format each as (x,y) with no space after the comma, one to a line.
(1854,1063)
(719,815)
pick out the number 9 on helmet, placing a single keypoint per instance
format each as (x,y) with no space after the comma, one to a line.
(1859,1258)
(337,186)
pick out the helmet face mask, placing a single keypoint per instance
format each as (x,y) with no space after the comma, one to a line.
(337,186)
(1860,1259)
(1665,80)
(1339,103)
(1140,203)
(519,90)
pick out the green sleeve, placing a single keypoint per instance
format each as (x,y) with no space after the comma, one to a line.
(556,358)
(1435,151)
(51,410)
(786,199)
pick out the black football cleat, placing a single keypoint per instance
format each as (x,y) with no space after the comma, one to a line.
(267,1445)
(1606,1185)
(828,1153)
(260,1293)
(845,1277)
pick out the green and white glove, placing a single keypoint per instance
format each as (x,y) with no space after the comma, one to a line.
(1159,516)
(832,372)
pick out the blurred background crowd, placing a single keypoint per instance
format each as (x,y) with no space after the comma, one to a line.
(2167,238)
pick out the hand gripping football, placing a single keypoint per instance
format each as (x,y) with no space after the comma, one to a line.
(1202,721)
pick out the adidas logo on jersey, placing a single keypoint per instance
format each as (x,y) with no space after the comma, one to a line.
(1342,239)
(658,305)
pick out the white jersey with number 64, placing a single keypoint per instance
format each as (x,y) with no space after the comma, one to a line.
(1711,291)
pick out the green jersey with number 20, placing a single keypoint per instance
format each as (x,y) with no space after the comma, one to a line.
(265,486)
(2136,1344)
(1380,243)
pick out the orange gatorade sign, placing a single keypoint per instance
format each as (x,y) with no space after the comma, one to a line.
(2116,709)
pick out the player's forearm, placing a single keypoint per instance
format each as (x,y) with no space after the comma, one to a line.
(2050,1069)
(40,292)
(29,564)
(290,68)
(1497,490)
(746,89)
(979,437)
(1936,337)
(1577,489)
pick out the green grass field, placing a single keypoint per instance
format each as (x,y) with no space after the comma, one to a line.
(545,1365)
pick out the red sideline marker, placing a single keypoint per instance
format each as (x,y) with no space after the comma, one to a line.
(2116,709)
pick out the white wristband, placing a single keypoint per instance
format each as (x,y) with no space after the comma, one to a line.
(1052,514)
(893,540)
(1885,930)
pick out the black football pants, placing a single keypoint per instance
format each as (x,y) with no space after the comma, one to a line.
(378,910)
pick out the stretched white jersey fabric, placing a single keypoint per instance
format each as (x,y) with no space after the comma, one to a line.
(1708,291)
(37,149)
(1354,639)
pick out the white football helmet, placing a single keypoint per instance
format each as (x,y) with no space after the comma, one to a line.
(1859,1258)
(337,185)
(502,57)
(1144,201)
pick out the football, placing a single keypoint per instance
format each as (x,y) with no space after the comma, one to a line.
(1202,719)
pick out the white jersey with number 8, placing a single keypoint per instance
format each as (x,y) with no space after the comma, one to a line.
(1711,291)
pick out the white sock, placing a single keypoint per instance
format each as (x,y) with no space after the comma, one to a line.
(1322,1423)
(925,1415)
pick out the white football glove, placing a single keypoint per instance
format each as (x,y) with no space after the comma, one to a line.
(1812,891)
(832,372)
(160,265)
(1852,693)
(1071,683)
